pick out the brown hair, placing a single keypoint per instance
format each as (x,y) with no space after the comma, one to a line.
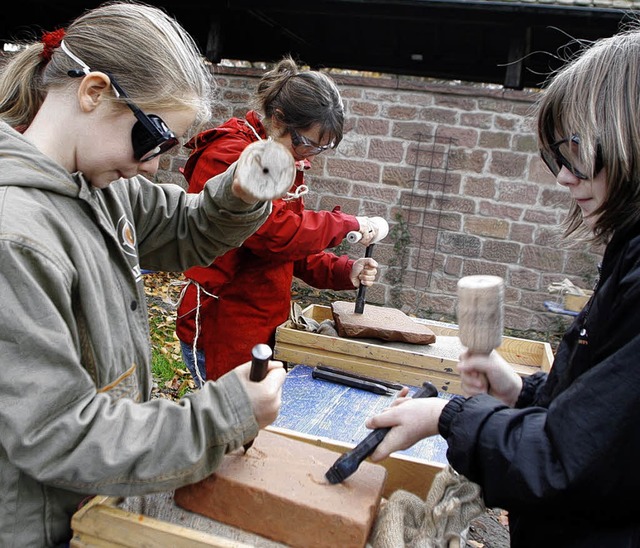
(304,97)
(597,96)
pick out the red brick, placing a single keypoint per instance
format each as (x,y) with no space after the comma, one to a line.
(278,490)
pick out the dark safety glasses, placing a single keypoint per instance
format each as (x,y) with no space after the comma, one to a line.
(559,153)
(150,136)
(303,146)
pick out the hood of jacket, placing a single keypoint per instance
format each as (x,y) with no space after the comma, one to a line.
(23,165)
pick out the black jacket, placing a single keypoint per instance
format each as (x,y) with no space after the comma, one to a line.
(565,462)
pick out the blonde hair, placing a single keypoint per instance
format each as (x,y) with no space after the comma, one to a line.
(597,97)
(152,57)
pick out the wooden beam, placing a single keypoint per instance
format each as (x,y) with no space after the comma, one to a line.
(519,48)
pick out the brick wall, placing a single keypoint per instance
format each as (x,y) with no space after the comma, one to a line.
(455,170)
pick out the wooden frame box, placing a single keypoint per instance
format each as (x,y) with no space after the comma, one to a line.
(101,523)
(576,303)
(400,362)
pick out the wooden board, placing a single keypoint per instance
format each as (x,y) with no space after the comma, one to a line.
(101,523)
(575,303)
(400,362)
(330,410)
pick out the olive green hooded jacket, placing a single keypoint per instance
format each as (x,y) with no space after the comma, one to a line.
(76,418)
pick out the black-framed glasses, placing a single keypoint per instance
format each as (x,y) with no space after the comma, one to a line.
(303,146)
(559,152)
(150,135)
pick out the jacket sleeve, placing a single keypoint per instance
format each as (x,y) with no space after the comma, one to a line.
(177,230)
(582,448)
(325,271)
(217,150)
(294,235)
(70,434)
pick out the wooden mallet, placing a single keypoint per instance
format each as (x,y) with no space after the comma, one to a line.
(480,312)
(266,169)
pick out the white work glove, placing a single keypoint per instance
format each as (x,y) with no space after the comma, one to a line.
(364,271)
(368,229)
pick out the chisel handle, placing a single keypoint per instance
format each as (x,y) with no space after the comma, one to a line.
(362,289)
(349,462)
(260,356)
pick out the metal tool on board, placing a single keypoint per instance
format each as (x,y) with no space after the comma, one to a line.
(347,373)
(350,380)
(260,356)
(349,462)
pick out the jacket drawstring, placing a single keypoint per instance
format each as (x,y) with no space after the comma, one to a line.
(194,347)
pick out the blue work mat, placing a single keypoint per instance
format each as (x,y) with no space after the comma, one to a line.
(322,408)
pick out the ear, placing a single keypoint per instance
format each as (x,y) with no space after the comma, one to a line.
(92,90)
(277,119)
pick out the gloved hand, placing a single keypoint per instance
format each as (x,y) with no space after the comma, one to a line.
(369,230)
(372,229)
(364,271)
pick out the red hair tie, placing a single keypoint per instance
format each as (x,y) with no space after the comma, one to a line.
(51,41)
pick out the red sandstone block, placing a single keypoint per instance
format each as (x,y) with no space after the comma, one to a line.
(278,490)
(389,324)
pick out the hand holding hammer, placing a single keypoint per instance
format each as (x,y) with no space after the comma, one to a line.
(264,171)
(381,228)
(480,315)
(480,323)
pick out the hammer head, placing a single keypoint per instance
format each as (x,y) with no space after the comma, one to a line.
(480,312)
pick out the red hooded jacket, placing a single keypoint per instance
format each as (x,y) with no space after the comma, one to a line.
(253,282)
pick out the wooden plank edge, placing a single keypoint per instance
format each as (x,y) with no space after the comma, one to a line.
(101,523)
(525,355)
(445,382)
(537,354)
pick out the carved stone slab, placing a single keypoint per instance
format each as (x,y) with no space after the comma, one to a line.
(378,322)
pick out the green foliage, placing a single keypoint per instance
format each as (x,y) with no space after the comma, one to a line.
(163,367)
(167,367)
